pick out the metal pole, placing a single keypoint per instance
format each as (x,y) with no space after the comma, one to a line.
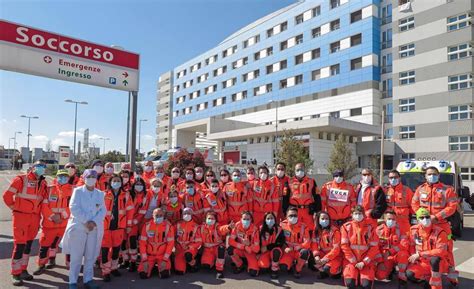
(139,136)
(133,128)
(28,141)
(75,129)
(382,147)
(127,153)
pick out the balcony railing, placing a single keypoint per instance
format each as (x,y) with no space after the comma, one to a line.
(386,69)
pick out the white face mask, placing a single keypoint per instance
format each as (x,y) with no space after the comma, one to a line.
(338,180)
(366,180)
(358,217)
(263,176)
(148,169)
(198,176)
(390,223)
(98,169)
(155,189)
(293,220)
(90,182)
(175,175)
(425,222)
(189,177)
(299,174)
(174,200)
(71,171)
(280,174)
(214,189)
(138,188)
(187,217)
(109,170)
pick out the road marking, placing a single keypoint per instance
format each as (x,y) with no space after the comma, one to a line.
(467,266)
(454,249)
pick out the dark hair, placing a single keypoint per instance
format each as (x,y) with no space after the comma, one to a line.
(431,168)
(190,170)
(358,209)
(250,168)
(294,209)
(281,163)
(263,168)
(225,171)
(390,211)
(394,172)
(211,172)
(189,182)
(247,213)
(125,172)
(265,227)
(215,181)
(316,220)
(211,212)
(132,190)
(237,171)
(115,175)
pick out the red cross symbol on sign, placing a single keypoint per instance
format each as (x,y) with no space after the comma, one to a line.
(47,59)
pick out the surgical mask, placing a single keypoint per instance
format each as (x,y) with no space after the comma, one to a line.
(394,182)
(432,179)
(90,182)
(214,189)
(324,223)
(263,176)
(280,174)
(225,179)
(293,220)
(159,220)
(299,173)
(159,176)
(39,171)
(338,180)
(189,177)
(198,176)
(210,222)
(71,171)
(358,217)
(175,175)
(366,179)
(174,200)
(116,185)
(148,168)
(246,223)
(187,217)
(138,188)
(109,170)
(190,191)
(270,222)
(98,169)
(425,222)
(390,223)
(236,179)
(125,180)
(209,179)
(155,189)
(62,180)
(250,177)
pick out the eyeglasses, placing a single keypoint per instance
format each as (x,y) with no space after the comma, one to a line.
(292,216)
(424,217)
(209,175)
(175,171)
(225,175)
(67,167)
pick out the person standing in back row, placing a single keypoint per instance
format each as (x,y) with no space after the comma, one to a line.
(371,197)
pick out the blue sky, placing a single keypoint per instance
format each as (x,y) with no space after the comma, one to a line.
(166,33)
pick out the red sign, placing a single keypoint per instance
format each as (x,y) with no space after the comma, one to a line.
(27,36)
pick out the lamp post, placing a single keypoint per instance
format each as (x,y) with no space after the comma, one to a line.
(14,146)
(75,121)
(104,139)
(140,134)
(276,124)
(29,134)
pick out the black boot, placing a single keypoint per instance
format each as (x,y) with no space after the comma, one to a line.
(402,284)
(132,267)
(322,275)
(219,275)
(106,278)
(16,280)
(143,275)
(124,265)
(274,275)
(40,270)
(51,264)
(116,273)
(26,276)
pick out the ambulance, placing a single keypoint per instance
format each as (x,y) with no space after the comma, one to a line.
(412,175)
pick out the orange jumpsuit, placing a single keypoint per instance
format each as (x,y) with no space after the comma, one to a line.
(24,197)
(51,233)
(216,203)
(441,201)
(150,199)
(244,243)
(172,212)
(283,189)
(139,212)
(119,216)
(326,243)
(195,203)
(373,202)
(304,196)
(265,199)
(359,243)
(432,245)
(393,246)
(297,238)
(238,199)
(188,241)
(273,242)
(399,200)
(337,200)
(147,177)
(156,246)
(213,245)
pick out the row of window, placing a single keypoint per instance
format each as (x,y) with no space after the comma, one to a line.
(455,52)
(311,13)
(455,82)
(453,22)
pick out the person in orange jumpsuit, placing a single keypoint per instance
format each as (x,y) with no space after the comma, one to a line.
(441,201)
(326,246)
(244,242)
(192,198)
(148,173)
(175,181)
(109,169)
(224,177)
(304,196)
(55,214)
(102,178)
(360,246)
(399,199)
(371,197)
(214,200)
(160,174)
(24,197)
(72,172)
(251,179)
(118,221)
(239,197)
(393,246)
(156,245)
(272,241)
(213,243)
(265,197)
(199,175)
(172,207)
(154,197)
(337,199)
(282,185)
(188,241)
(429,252)
(210,176)
(297,243)
(127,181)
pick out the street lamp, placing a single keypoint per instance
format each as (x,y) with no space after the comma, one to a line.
(75,121)
(29,134)
(276,124)
(104,139)
(14,145)
(140,133)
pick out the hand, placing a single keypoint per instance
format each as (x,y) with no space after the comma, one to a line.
(317,259)
(232,225)
(162,265)
(91,225)
(288,250)
(412,259)
(248,249)
(263,249)
(56,218)
(360,265)
(323,261)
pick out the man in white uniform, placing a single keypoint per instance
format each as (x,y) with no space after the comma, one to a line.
(84,230)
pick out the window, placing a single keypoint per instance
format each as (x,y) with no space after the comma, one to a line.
(335,46)
(458,22)
(299,39)
(467,174)
(283,83)
(407,132)
(316,74)
(251,41)
(277,29)
(387,38)
(298,79)
(387,14)
(356,39)
(356,111)
(459,51)
(299,19)
(298,59)
(211,59)
(387,88)
(407,77)
(335,25)
(457,82)
(284,45)
(388,134)
(460,112)
(406,24)
(406,105)
(239,63)
(316,11)
(406,50)
(356,63)
(334,69)
(461,143)
(334,3)
(239,96)
(407,157)
(335,114)
(356,16)
(220,70)
(315,53)
(316,32)
(388,108)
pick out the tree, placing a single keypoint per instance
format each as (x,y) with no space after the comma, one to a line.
(113,157)
(183,159)
(292,151)
(374,165)
(341,158)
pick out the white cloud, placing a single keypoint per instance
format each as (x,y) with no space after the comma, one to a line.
(70,134)
(148,137)
(40,138)
(95,137)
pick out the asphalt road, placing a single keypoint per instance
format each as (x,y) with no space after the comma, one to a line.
(57,278)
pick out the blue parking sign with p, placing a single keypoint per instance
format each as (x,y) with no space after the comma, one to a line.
(112,80)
